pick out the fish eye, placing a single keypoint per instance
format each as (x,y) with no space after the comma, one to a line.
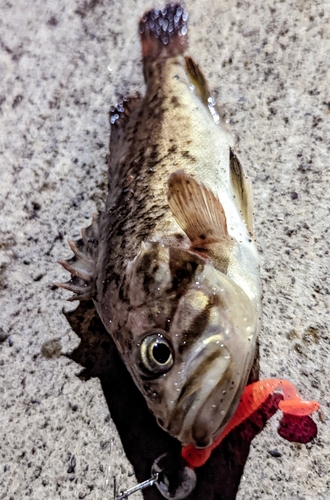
(156,354)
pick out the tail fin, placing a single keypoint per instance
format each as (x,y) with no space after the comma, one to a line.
(164,32)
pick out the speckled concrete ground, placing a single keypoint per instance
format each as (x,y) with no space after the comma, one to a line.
(62,65)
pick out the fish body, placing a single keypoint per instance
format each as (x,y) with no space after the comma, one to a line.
(171,263)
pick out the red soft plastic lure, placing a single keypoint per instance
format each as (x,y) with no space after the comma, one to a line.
(253,397)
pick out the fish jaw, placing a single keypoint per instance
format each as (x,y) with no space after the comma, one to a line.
(197,417)
(216,368)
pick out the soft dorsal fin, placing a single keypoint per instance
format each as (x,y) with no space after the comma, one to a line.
(242,187)
(119,115)
(122,120)
(197,210)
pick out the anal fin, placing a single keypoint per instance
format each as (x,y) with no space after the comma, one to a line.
(201,88)
(198,80)
(242,187)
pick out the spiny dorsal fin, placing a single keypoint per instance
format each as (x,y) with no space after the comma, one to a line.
(242,187)
(197,210)
(82,264)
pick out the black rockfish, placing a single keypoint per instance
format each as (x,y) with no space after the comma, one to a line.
(171,263)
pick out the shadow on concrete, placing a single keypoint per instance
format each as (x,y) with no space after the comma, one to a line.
(142,439)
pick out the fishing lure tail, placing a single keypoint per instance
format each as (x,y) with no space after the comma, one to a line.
(254,396)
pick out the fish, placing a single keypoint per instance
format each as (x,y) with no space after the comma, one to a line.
(172,263)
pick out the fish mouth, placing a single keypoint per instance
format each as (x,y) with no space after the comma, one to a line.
(207,400)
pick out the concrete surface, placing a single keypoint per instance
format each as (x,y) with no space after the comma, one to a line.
(62,65)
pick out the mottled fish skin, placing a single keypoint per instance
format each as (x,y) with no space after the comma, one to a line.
(176,280)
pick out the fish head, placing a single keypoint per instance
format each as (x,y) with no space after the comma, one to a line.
(193,335)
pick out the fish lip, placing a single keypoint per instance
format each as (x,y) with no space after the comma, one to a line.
(188,411)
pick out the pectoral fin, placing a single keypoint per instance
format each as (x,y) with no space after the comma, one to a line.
(242,187)
(197,210)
